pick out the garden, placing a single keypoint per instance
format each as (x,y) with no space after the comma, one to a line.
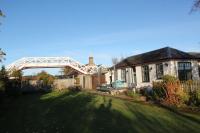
(78,111)
(170,106)
(75,110)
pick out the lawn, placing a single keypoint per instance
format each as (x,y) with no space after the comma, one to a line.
(62,112)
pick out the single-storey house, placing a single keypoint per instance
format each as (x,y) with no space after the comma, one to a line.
(141,70)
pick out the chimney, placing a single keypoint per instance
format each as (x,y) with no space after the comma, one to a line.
(91,61)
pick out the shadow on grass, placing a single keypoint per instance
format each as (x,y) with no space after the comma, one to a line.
(69,112)
(180,113)
(78,112)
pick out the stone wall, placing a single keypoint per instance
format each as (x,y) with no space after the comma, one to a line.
(64,83)
(85,82)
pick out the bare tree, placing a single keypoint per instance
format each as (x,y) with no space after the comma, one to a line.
(122,58)
(1,13)
(2,55)
(196,6)
(115,60)
(66,70)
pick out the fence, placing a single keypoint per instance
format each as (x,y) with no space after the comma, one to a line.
(84,81)
(191,86)
(64,83)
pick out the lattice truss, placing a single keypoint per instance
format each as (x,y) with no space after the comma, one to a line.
(51,62)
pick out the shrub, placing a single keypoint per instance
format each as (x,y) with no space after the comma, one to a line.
(169,78)
(183,96)
(13,87)
(175,94)
(45,81)
(2,86)
(75,88)
(2,90)
(17,74)
(194,98)
(198,97)
(169,92)
(192,89)
(159,92)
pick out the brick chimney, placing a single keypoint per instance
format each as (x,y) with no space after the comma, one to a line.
(91,61)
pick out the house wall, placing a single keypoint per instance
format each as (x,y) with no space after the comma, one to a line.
(139,78)
(129,76)
(195,70)
(152,73)
(116,75)
(107,77)
(98,80)
(170,69)
(173,68)
(119,74)
(85,81)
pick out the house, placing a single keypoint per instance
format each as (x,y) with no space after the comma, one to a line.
(141,70)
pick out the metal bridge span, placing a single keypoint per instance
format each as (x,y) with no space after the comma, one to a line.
(51,62)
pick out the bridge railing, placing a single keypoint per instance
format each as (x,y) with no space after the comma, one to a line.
(31,62)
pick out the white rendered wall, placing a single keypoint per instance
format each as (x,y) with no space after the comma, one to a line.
(170,69)
(107,77)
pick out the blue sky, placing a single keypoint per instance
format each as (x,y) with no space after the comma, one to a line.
(101,28)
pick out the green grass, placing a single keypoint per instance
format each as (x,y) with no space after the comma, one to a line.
(68,112)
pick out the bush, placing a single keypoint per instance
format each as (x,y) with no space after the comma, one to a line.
(2,86)
(45,81)
(2,90)
(75,88)
(169,92)
(169,79)
(13,87)
(183,97)
(191,87)
(159,92)
(194,98)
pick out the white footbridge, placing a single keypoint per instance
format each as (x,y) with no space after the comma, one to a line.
(51,62)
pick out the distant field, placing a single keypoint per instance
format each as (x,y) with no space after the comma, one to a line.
(70,112)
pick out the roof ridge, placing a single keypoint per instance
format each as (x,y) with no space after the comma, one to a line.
(166,53)
(167,47)
(169,52)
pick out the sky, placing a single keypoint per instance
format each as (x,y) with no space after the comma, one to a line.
(100,28)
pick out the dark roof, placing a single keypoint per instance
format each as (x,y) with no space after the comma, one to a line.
(196,54)
(162,54)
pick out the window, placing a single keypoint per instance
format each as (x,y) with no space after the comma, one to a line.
(123,75)
(184,71)
(159,71)
(145,73)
